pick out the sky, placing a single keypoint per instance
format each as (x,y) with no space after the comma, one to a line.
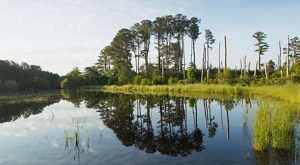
(59,35)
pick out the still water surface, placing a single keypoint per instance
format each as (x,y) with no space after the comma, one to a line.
(132,129)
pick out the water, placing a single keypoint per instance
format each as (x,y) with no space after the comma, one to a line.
(132,129)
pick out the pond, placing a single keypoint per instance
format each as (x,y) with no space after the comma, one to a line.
(105,128)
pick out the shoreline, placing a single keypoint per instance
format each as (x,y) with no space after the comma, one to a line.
(288,92)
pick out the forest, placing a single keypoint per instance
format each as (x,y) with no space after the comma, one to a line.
(126,59)
(24,77)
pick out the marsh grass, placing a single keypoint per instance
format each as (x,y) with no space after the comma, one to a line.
(262,126)
(288,92)
(282,128)
(274,124)
(76,133)
(75,136)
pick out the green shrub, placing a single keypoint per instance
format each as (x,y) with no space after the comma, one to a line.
(172,80)
(157,80)
(146,81)
(138,79)
(295,71)
(191,74)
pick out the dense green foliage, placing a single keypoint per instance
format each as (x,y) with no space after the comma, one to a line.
(126,60)
(20,77)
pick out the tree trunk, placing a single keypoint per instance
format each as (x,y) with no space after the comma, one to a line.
(287,57)
(219,68)
(279,56)
(203,62)
(241,69)
(138,58)
(259,63)
(158,48)
(183,58)
(266,70)
(255,69)
(146,57)
(245,65)
(225,46)
(194,53)
(192,64)
(207,75)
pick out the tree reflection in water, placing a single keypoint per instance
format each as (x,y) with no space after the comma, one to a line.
(14,109)
(131,119)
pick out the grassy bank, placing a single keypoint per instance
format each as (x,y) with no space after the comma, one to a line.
(288,92)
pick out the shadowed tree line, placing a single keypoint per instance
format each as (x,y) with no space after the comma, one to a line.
(15,109)
(130,117)
(24,77)
(126,60)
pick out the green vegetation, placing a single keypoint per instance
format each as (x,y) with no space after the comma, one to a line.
(72,79)
(288,92)
(274,124)
(28,97)
(126,59)
(261,128)
(23,77)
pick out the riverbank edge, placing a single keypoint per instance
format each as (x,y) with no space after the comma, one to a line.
(287,92)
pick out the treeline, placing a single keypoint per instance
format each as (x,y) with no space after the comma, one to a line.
(126,59)
(25,77)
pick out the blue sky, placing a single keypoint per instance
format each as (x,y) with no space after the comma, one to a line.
(62,34)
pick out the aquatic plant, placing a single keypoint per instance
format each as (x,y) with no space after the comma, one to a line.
(76,133)
(262,125)
(282,128)
(274,124)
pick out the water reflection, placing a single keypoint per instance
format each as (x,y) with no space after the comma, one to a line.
(130,117)
(212,128)
(13,110)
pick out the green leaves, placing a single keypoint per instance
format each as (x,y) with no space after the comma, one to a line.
(209,37)
(261,45)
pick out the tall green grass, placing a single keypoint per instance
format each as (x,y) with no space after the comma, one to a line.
(287,92)
(274,124)
(262,126)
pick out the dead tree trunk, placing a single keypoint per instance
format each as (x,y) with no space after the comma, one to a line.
(266,70)
(219,68)
(207,60)
(245,65)
(279,56)
(203,63)
(241,69)
(287,57)
(225,46)
(255,74)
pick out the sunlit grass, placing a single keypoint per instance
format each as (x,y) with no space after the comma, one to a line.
(261,126)
(274,124)
(288,92)
(282,128)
